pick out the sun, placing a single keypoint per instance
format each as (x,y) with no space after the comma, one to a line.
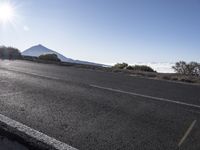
(6,12)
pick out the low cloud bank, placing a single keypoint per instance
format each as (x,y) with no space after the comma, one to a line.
(162,67)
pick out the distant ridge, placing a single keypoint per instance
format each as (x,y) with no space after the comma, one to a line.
(38,50)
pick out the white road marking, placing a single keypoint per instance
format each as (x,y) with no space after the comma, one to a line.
(116,90)
(187,133)
(146,96)
(31,135)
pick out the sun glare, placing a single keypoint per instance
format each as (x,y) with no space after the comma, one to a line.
(6,12)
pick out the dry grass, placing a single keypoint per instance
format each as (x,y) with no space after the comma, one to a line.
(160,76)
(152,75)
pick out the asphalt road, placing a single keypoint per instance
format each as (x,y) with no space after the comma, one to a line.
(91,109)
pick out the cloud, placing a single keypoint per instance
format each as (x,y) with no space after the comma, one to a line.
(26,28)
(163,67)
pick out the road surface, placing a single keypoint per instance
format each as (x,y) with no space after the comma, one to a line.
(90,109)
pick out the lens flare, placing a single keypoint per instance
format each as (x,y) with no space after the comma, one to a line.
(6,12)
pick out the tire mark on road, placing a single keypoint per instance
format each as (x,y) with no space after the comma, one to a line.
(187,133)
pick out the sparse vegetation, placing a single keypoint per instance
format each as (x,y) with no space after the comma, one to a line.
(49,57)
(120,66)
(185,72)
(130,67)
(189,73)
(188,69)
(142,68)
(9,53)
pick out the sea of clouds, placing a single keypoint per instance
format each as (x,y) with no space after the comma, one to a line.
(162,67)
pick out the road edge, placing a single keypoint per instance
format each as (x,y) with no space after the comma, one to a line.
(31,136)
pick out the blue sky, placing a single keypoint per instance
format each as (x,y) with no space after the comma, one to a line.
(108,31)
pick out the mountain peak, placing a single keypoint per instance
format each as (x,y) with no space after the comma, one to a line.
(39,49)
(40,46)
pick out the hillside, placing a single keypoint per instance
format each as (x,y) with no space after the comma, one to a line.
(38,50)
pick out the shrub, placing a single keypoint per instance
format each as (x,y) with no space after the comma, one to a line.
(143,68)
(9,53)
(136,67)
(130,67)
(189,69)
(140,68)
(49,57)
(120,66)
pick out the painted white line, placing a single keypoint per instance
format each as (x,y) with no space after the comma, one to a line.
(31,135)
(115,90)
(187,133)
(146,96)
